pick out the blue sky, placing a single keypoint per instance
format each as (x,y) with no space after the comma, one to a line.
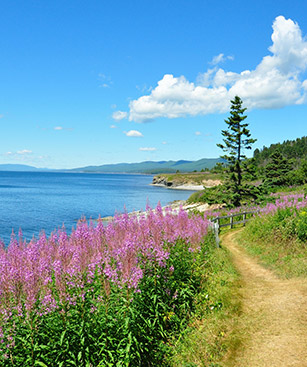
(97,82)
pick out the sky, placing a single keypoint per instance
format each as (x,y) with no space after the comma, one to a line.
(97,82)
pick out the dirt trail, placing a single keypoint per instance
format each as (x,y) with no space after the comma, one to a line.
(273,322)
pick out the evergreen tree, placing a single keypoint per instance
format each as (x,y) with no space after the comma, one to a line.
(237,138)
(276,171)
(249,166)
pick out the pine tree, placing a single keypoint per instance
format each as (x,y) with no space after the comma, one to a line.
(276,171)
(237,138)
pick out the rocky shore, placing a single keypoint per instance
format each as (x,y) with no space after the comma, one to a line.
(175,206)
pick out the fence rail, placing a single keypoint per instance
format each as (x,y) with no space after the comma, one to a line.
(216,222)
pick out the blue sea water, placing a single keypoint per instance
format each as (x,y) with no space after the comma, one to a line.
(36,201)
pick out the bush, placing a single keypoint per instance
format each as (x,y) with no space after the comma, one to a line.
(212,195)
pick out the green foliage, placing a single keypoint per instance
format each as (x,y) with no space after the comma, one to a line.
(283,164)
(222,195)
(103,324)
(276,171)
(213,195)
(208,337)
(250,169)
(218,168)
(290,149)
(299,176)
(236,138)
(301,226)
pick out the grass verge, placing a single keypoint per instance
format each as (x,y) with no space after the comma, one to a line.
(210,334)
(279,241)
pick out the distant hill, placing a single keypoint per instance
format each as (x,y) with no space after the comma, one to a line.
(17,167)
(290,149)
(152,167)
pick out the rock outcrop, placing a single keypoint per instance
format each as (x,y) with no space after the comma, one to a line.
(180,183)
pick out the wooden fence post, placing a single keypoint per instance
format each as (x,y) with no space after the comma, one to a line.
(216,223)
(231,222)
(216,232)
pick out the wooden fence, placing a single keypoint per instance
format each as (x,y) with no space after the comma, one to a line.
(216,222)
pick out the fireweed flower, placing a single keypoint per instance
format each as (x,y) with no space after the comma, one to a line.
(117,253)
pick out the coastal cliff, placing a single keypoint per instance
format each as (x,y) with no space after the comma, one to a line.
(196,181)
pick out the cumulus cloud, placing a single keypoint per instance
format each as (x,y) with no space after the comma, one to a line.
(133,133)
(148,149)
(119,115)
(197,133)
(277,81)
(113,126)
(58,128)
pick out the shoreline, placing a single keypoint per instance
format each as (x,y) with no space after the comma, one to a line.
(175,206)
(187,187)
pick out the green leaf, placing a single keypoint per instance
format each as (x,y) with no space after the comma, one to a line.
(39,363)
(62,337)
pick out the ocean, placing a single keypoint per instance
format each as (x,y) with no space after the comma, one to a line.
(46,201)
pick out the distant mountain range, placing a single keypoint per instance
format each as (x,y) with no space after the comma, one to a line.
(152,167)
(148,167)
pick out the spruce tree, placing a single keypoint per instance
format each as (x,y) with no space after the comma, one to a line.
(276,171)
(237,138)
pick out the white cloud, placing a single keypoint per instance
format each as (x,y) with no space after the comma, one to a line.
(164,142)
(24,156)
(105,80)
(1,116)
(133,133)
(24,151)
(220,58)
(148,149)
(113,126)
(119,115)
(277,81)
(197,133)
(61,128)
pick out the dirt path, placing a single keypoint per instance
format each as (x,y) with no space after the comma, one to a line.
(273,324)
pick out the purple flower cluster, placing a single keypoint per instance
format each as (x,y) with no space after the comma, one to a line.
(119,252)
(294,201)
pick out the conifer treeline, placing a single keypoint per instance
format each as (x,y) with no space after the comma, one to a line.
(290,149)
